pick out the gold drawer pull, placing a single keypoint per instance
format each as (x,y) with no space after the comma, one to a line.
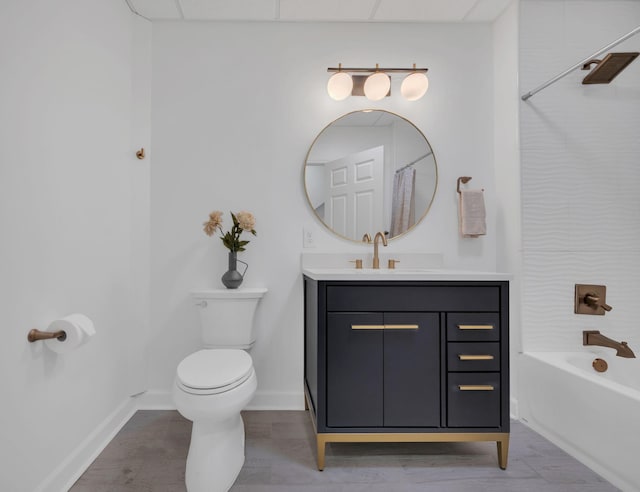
(384,327)
(475,327)
(475,387)
(401,327)
(475,357)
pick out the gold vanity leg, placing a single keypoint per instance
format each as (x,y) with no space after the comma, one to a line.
(503,451)
(321,448)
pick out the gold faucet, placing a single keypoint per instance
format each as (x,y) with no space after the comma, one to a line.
(594,337)
(366,238)
(376,259)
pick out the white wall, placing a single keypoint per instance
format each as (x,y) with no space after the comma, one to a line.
(580,173)
(69,216)
(507,174)
(235,107)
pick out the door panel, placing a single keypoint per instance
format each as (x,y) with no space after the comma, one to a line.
(354,193)
(412,370)
(354,370)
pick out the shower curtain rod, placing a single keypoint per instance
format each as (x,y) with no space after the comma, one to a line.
(412,163)
(579,64)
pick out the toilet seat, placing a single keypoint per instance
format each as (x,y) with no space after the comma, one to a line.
(213,371)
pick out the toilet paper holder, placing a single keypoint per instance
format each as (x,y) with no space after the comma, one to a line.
(35,335)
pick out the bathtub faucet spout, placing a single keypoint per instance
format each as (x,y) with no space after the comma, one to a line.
(594,337)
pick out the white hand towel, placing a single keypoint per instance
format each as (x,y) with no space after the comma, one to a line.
(403,214)
(472,213)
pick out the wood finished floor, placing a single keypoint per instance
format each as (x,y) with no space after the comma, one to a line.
(149,453)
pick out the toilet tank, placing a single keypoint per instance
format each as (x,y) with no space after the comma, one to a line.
(227,316)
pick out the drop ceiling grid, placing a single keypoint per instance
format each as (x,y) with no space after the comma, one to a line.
(322,10)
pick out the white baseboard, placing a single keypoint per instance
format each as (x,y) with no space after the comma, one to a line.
(513,410)
(66,474)
(277,400)
(155,400)
(263,400)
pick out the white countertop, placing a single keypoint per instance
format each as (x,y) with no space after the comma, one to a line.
(401,274)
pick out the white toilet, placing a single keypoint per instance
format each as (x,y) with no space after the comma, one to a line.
(212,386)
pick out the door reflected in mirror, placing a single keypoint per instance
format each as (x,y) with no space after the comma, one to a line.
(370,171)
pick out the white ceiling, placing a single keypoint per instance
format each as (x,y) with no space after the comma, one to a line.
(321,10)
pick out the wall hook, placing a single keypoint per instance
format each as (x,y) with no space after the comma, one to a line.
(140,154)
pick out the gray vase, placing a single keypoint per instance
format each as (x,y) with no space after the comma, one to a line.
(232,279)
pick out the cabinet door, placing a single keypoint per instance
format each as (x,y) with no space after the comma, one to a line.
(412,370)
(354,369)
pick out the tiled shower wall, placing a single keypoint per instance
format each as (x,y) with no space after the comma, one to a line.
(580,162)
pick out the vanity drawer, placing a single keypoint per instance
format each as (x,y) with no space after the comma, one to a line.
(473,399)
(474,357)
(413,298)
(473,327)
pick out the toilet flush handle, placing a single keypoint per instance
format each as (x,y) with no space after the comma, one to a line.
(202,304)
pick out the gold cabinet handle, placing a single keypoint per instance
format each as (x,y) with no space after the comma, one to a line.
(384,327)
(401,327)
(475,327)
(475,357)
(475,387)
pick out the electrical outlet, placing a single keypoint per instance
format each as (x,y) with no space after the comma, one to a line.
(308,241)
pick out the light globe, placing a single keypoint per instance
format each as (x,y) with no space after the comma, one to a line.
(339,86)
(377,86)
(414,86)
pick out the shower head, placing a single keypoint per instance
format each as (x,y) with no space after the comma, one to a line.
(608,68)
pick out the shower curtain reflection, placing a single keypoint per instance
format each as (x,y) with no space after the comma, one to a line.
(403,201)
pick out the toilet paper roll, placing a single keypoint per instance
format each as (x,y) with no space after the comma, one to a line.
(78,329)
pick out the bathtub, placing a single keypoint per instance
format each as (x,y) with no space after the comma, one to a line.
(593,416)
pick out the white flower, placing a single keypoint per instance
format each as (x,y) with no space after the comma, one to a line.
(214,222)
(246,220)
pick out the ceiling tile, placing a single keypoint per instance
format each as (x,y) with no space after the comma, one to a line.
(329,10)
(157,9)
(424,10)
(229,9)
(487,10)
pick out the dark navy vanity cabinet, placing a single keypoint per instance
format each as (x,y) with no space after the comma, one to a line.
(399,361)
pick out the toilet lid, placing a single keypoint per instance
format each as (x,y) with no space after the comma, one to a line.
(214,368)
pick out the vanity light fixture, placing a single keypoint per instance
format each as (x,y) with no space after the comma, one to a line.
(376,84)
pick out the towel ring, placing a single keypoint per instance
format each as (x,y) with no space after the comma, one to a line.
(464,179)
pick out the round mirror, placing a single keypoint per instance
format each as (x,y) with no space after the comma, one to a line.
(370,171)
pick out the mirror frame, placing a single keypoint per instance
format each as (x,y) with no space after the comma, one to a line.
(306,160)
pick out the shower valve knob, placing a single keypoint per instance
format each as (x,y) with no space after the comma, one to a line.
(591,299)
